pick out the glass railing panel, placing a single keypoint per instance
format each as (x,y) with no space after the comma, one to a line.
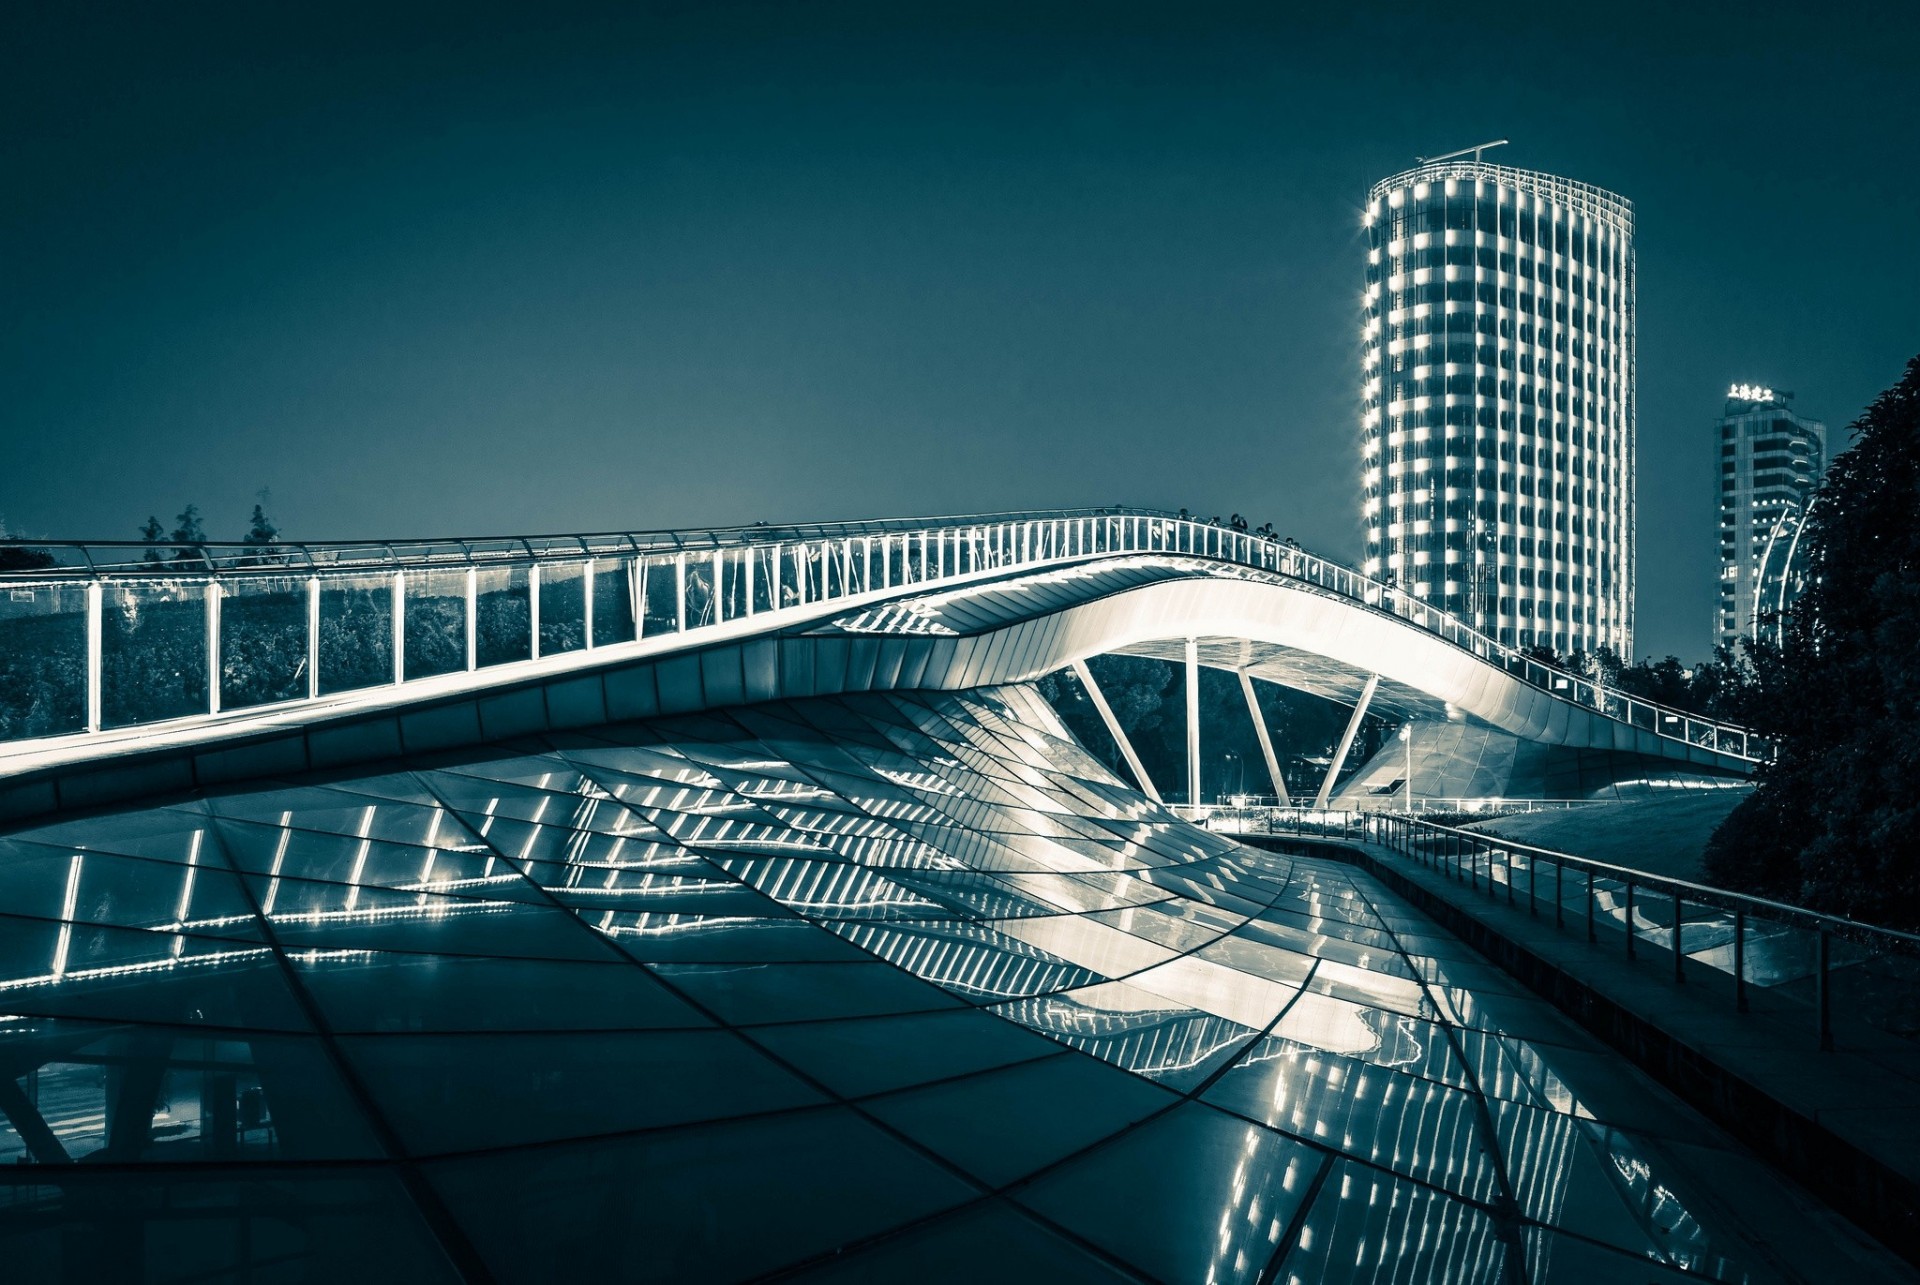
(660,596)
(503,619)
(896,561)
(833,555)
(766,577)
(153,651)
(436,623)
(857,565)
(43,660)
(793,574)
(700,590)
(563,607)
(614,609)
(263,640)
(356,632)
(916,559)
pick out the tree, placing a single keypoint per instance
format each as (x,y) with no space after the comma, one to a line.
(187,529)
(1834,820)
(153,533)
(14,558)
(260,528)
(188,535)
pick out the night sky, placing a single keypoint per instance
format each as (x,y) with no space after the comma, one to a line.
(479,272)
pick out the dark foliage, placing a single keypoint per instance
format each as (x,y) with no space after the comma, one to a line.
(1835,821)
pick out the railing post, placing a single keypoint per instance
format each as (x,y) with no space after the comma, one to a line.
(95,593)
(313,636)
(1559,894)
(586,603)
(1679,956)
(1533,886)
(1629,919)
(1824,992)
(399,627)
(680,589)
(473,619)
(533,611)
(1592,936)
(213,646)
(1739,961)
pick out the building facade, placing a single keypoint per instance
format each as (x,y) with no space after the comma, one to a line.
(1498,401)
(1770,462)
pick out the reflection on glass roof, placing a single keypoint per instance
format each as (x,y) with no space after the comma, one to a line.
(863,988)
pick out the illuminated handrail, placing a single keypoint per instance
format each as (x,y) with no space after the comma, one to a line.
(285,623)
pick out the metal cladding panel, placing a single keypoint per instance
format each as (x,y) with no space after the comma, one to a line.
(577,702)
(976,659)
(258,758)
(760,668)
(680,688)
(361,741)
(830,656)
(721,676)
(519,712)
(887,662)
(1559,721)
(863,656)
(632,692)
(1039,657)
(30,798)
(126,780)
(436,727)
(1621,736)
(927,656)
(796,667)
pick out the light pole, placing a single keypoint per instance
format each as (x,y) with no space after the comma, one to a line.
(1406,734)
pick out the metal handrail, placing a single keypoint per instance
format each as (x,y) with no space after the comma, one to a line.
(1069,535)
(1452,852)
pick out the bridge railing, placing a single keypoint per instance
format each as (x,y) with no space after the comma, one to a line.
(1820,966)
(108,635)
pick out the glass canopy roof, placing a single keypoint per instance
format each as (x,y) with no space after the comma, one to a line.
(867,988)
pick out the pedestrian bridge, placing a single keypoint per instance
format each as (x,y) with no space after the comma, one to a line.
(130,669)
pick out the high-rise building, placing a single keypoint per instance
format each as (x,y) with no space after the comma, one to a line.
(1498,402)
(1770,462)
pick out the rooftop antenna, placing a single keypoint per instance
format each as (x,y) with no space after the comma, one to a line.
(1476,149)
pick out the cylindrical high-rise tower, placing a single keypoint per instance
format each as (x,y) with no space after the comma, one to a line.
(1498,404)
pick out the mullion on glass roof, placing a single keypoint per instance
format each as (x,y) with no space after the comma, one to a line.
(1004,1125)
(1201,1172)
(858,1057)
(603,1212)
(468,1092)
(969,960)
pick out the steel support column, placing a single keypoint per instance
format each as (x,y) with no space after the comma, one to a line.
(1266,741)
(1346,739)
(1193,722)
(1099,699)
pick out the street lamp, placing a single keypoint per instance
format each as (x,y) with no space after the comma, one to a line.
(1406,734)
